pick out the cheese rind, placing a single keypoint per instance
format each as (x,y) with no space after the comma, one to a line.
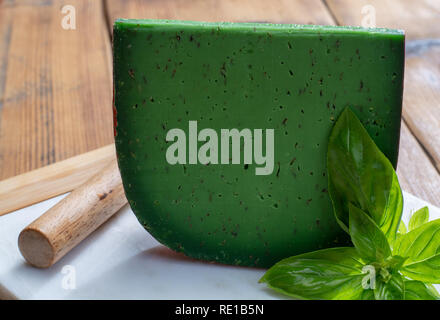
(293,79)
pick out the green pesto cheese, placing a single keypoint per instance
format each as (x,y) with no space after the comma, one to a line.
(221,129)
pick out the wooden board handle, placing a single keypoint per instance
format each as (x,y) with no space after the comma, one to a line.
(66,224)
(52,180)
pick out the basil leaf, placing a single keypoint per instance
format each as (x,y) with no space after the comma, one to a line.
(359,173)
(393,289)
(368,239)
(418,218)
(402,228)
(427,270)
(367,295)
(417,290)
(334,273)
(421,247)
(419,244)
(433,290)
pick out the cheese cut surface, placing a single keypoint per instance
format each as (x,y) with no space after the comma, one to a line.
(293,79)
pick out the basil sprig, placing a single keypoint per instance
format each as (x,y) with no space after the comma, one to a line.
(388,260)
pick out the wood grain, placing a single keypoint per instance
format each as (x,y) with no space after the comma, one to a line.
(275,11)
(55,84)
(58,178)
(418,18)
(422,96)
(416,173)
(61,228)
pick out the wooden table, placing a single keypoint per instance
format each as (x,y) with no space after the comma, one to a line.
(56,87)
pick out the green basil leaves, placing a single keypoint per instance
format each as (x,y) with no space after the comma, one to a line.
(419,217)
(388,261)
(360,174)
(369,241)
(326,274)
(393,289)
(417,290)
(422,247)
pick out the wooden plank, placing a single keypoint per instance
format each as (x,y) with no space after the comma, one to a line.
(422,96)
(275,11)
(55,84)
(418,18)
(52,180)
(416,173)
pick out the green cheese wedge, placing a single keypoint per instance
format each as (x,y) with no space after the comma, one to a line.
(221,129)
